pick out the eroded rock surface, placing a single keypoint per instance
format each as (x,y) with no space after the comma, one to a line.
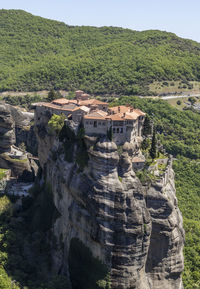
(7,134)
(12,157)
(136,231)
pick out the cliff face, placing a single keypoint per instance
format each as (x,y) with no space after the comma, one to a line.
(136,231)
(12,157)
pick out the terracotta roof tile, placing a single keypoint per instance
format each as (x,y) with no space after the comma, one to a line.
(138,160)
(61,101)
(98,114)
(139,112)
(92,102)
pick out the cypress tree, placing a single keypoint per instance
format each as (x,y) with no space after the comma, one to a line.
(52,95)
(153,146)
(147,126)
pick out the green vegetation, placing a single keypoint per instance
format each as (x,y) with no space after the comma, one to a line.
(86,271)
(147,126)
(53,95)
(38,53)
(179,131)
(69,139)
(24,252)
(152,150)
(56,123)
(2,173)
(24,101)
(175,87)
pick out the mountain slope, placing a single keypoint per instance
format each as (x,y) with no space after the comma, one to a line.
(38,53)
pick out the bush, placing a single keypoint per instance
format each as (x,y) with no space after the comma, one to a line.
(179,102)
(56,123)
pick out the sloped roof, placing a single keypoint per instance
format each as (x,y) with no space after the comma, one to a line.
(85,108)
(120,108)
(97,114)
(139,112)
(138,160)
(92,102)
(116,117)
(61,101)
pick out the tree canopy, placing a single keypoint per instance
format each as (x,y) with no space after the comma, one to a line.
(38,53)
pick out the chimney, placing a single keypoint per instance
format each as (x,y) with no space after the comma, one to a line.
(131,109)
(124,114)
(118,108)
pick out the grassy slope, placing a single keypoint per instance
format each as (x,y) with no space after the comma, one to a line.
(37,53)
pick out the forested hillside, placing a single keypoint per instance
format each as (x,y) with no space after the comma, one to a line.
(36,53)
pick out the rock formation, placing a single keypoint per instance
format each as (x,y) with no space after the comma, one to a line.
(135,230)
(11,157)
(7,135)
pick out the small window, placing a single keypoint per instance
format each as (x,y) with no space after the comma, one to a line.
(114,130)
(90,122)
(121,130)
(103,123)
(86,122)
(117,130)
(99,123)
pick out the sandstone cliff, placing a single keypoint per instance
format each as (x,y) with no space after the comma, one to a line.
(135,230)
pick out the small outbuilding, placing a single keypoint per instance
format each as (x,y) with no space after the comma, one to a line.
(138,163)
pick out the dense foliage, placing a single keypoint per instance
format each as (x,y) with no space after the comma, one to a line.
(38,53)
(179,131)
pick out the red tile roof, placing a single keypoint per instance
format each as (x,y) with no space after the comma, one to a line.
(97,114)
(138,160)
(92,102)
(61,101)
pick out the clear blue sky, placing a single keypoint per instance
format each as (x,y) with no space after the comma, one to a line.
(179,16)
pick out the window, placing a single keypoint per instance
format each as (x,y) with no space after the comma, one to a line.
(117,130)
(121,130)
(95,123)
(90,122)
(114,130)
(103,123)
(86,122)
(99,123)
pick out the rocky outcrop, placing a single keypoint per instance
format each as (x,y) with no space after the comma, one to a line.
(7,135)
(165,256)
(136,231)
(12,157)
(27,136)
(24,129)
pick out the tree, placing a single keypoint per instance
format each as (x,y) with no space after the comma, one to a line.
(192,100)
(153,146)
(147,126)
(179,102)
(52,95)
(56,123)
(145,143)
(110,134)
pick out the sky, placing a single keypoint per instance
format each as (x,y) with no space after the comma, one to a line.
(178,16)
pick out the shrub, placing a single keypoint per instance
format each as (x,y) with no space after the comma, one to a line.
(56,123)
